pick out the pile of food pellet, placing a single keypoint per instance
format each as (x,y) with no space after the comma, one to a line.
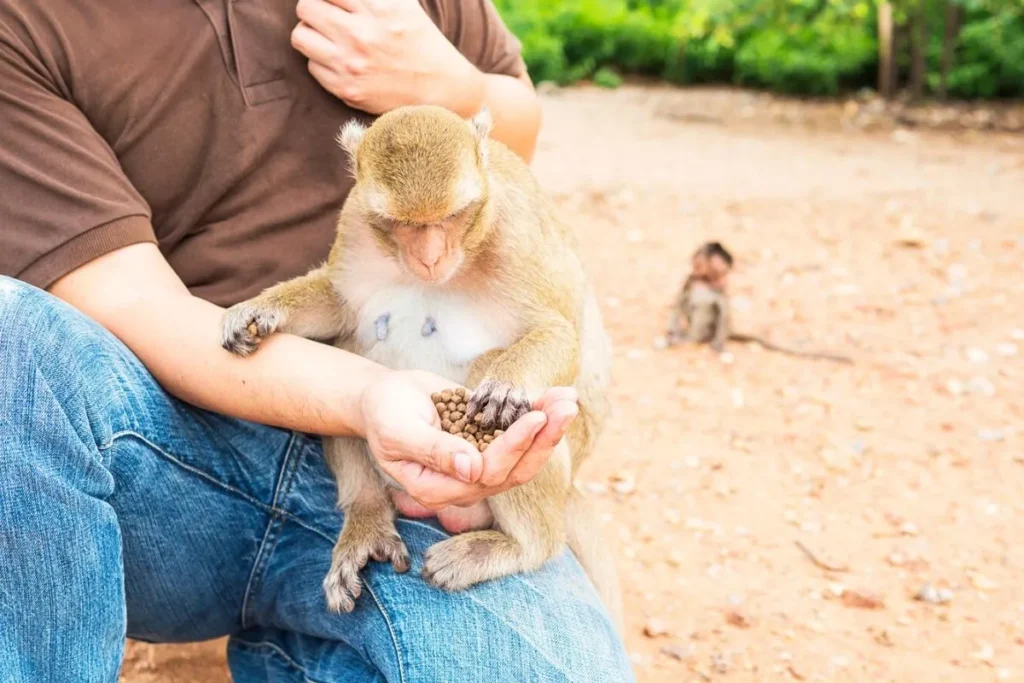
(451,408)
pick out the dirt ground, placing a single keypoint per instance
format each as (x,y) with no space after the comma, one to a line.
(904,472)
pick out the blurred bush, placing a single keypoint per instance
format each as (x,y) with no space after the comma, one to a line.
(813,47)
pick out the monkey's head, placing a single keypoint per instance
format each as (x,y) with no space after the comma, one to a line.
(712,263)
(421,180)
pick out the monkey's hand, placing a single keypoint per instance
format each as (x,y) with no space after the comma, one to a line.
(247,324)
(498,403)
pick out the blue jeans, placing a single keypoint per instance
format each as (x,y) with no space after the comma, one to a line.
(124,511)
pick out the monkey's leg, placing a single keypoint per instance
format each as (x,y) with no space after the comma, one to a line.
(702,321)
(721,333)
(531,519)
(307,305)
(369,529)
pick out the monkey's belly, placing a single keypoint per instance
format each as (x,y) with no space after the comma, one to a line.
(441,332)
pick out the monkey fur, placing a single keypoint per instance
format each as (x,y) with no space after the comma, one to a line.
(449,258)
(703,302)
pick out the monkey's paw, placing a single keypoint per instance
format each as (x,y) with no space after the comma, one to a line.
(342,585)
(246,325)
(464,560)
(499,403)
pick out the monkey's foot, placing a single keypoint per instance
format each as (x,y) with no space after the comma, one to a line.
(342,585)
(470,558)
(245,326)
(498,403)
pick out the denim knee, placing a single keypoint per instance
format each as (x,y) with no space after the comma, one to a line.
(49,349)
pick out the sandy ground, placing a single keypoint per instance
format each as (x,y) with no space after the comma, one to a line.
(902,248)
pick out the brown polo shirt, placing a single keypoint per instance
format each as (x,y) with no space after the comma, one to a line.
(190,123)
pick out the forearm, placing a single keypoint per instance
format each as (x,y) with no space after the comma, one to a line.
(516,111)
(290,382)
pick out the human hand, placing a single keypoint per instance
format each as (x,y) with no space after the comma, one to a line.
(438,470)
(377,55)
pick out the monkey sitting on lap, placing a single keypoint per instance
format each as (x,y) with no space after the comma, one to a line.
(449,258)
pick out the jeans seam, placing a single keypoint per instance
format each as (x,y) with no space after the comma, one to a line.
(274,526)
(273,647)
(188,468)
(391,630)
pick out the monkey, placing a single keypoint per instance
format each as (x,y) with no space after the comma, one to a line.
(703,301)
(448,257)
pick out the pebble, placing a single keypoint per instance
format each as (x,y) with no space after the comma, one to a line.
(634,236)
(982,582)
(976,355)
(1007,349)
(692,461)
(931,594)
(908,529)
(659,343)
(955,387)
(1017,334)
(985,653)
(635,354)
(737,397)
(982,385)
(739,619)
(655,628)
(624,483)
(991,435)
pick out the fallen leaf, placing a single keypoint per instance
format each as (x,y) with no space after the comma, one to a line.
(862,599)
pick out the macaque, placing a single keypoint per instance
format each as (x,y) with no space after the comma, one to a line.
(703,302)
(449,258)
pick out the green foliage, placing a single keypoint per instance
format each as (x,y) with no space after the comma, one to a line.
(606,78)
(815,47)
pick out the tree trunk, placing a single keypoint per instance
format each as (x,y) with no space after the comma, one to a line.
(886,58)
(949,38)
(918,48)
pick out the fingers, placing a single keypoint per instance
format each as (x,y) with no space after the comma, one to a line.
(426,445)
(555,394)
(507,450)
(327,18)
(560,415)
(433,490)
(312,44)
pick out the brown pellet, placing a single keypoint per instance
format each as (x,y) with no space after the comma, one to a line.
(498,432)
(446,424)
(479,417)
(456,416)
(488,438)
(446,415)
(441,407)
(481,446)
(460,392)
(453,406)
(252,329)
(454,429)
(471,429)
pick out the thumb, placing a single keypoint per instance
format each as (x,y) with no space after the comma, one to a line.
(438,450)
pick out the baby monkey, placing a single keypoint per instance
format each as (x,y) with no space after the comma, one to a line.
(703,302)
(449,258)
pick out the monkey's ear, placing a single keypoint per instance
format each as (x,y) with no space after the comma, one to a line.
(350,136)
(482,123)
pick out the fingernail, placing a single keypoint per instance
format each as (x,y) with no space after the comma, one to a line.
(464,466)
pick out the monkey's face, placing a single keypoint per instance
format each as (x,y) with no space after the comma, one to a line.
(431,251)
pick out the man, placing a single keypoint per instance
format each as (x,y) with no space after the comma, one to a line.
(158,162)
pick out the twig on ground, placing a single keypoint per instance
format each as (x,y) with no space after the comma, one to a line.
(818,562)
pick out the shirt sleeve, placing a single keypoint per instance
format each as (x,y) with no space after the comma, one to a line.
(477,31)
(64,199)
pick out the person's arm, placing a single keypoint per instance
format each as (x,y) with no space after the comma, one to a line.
(304,385)
(377,56)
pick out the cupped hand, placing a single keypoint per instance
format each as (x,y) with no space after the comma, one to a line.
(377,55)
(438,470)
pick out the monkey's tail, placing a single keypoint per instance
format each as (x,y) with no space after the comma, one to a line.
(584,538)
(771,346)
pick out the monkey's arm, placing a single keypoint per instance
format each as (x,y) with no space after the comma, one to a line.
(545,357)
(307,306)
